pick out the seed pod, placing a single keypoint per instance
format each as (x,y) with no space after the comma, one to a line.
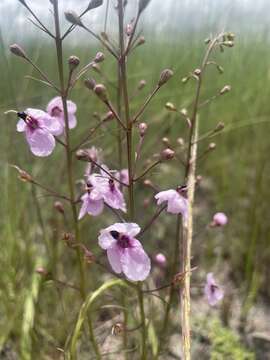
(101,92)
(73,18)
(167,154)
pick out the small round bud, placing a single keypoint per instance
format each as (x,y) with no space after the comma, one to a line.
(165,141)
(160,260)
(73,18)
(225,89)
(148,182)
(96,67)
(185,79)
(73,62)
(197,72)
(41,271)
(170,106)
(231,36)
(129,29)
(183,112)
(108,116)
(220,126)
(59,207)
(142,84)
(99,57)
(23,175)
(198,179)
(142,129)
(165,76)
(90,84)
(101,92)
(180,141)
(219,219)
(141,41)
(17,50)
(82,155)
(212,146)
(167,154)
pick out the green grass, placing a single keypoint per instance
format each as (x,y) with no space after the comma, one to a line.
(236,178)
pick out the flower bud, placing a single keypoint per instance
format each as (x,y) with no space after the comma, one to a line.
(197,72)
(165,141)
(73,62)
(142,5)
(41,271)
(219,219)
(220,126)
(148,182)
(59,207)
(23,175)
(141,41)
(142,129)
(94,4)
(225,89)
(167,154)
(68,238)
(90,84)
(170,106)
(96,67)
(180,141)
(73,18)
(198,179)
(142,84)
(185,79)
(231,36)
(165,76)
(108,116)
(183,112)
(212,146)
(129,29)
(101,92)
(82,155)
(18,51)
(99,57)
(160,260)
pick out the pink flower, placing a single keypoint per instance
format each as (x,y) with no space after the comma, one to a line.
(125,253)
(56,110)
(176,203)
(112,194)
(212,291)
(92,200)
(219,219)
(160,259)
(39,128)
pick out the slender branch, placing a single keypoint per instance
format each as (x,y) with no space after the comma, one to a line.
(147,170)
(108,173)
(111,108)
(152,220)
(85,139)
(45,29)
(147,101)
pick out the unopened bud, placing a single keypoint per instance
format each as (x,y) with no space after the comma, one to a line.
(148,182)
(17,50)
(141,41)
(90,84)
(142,5)
(185,79)
(183,112)
(160,260)
(94,4)
(108,116)
(231,36)
(165,76)
(73,18)
(23,175)
(167,154)
(59,207)
(170,106)
(73,62)
(142,129)
(142,84)
(197,72)
(225,89)
(212,146)
(99,57)
(82,155)
(101,92)
(41,271)
(129,29)
(96,67)
(180,141)
(220,126)
(165,141)
(219,219)
(68,238)
(198,179)
(118,329)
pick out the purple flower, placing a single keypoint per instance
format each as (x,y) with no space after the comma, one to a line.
(56,110)
(125,253)
(212,291)
(219,219)
(112,194)
(160,259)
(92,200)
(176,203)
(39,128)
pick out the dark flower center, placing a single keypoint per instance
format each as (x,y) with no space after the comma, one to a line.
(213,288)
(29,120)
(111,185)
(122,240)
(56,111)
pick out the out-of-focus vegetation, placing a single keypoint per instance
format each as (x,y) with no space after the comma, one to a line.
(235,178)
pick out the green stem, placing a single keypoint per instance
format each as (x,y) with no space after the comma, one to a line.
(59,50)
(143,331)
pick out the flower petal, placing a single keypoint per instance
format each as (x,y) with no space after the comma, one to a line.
(71,107)
(72,121)
(83,209)
(41,142)
(114,259)
(54,125)
(55,102)
(21,125)
(136,264)
(105,240)
(165,195)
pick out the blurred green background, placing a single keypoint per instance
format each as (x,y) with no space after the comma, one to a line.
(235,176)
